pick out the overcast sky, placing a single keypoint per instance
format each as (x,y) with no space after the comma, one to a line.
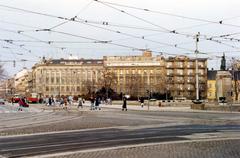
(128,29)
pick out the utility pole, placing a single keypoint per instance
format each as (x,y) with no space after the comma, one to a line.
(196,53)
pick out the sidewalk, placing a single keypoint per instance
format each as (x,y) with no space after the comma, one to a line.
(104,107)
(157,108)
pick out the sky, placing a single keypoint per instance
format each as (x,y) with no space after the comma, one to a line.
(31,29)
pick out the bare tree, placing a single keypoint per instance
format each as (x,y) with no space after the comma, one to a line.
(108,81)
(88,87)
(133,84)
(161,84)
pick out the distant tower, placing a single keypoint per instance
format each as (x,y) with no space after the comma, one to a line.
(223,63)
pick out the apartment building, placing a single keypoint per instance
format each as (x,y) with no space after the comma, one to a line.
(181,77)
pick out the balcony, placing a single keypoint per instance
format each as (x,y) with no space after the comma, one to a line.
(201,66)
(179,74)
(191,74)
(170,74)
(189,66)
(170,66)
(179,66)
(190,80)
(179,81)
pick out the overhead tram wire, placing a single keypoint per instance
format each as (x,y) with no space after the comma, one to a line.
(73,18)
(118,32)
(73,35)
(106,23)
(108,42)
(141,19)
(169,14)
(59,17)
(122,11)
(143,37)
(93,39)
(52,41)
(86,22)
(68,19)
(20,46)
(17,24)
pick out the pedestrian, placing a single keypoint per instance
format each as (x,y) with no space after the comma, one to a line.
(65,104)
(142,101)
(49,101)
(124,106)
(92,103)
(83,101)
(46,101)
(97,102)
(80,102)
(61,102)
(12,100)
(53,101)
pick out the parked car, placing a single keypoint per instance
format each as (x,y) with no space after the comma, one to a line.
(2,101)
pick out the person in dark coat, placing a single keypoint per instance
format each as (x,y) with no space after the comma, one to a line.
(97,103)
(92,103)
(142,101)
(124,106)
(50,101)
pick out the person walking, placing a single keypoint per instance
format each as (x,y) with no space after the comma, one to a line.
(80,102)
(97,103)
(49,101)
(65,103)
(61,102)
(142,101)
(124,106)
(92,103)
(12,100)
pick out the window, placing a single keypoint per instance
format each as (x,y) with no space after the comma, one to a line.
(209,94)
(62,89)
(180,71)
(209,85)
(47,80)
(190,72)
(57,80)
(52,79)
(62,80)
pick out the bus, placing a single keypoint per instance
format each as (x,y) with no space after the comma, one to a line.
(33,98)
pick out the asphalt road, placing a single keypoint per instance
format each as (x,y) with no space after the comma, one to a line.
(117,129)
(80,140)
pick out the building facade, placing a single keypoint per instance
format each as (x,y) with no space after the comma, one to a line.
(66,77)
(181,77)
(136,75)
(212,85)
(132,75)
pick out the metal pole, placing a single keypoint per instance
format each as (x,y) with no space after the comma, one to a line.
(148,102)
(196,52)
